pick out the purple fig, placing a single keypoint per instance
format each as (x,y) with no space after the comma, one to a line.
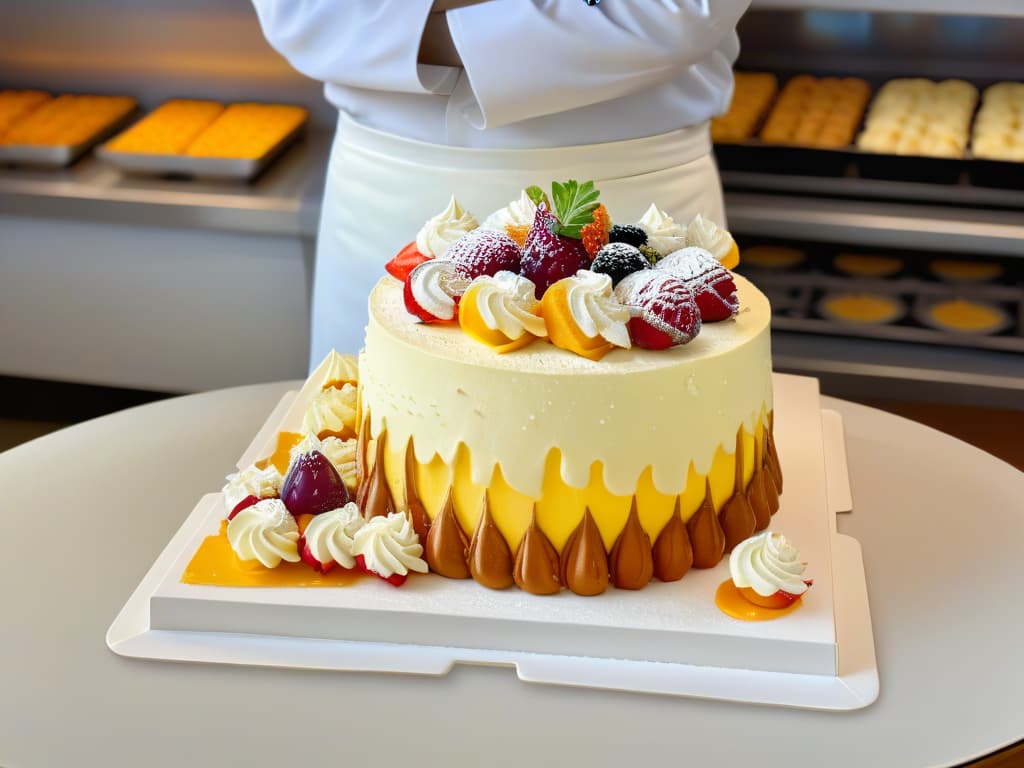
(313,485)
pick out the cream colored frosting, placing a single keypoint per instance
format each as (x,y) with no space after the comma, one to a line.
(595,310)
(251,481)
(331,410)
(342,454)
(506,303)
(518,213)
(704,233)
(267,532)
(431,283)
(438,233)
(767,563)
(329,535)
(663,233)
(389,545)
(633,409)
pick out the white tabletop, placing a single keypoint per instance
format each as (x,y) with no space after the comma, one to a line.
(87,510)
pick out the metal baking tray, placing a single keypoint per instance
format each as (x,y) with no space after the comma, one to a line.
(239,169)
(795,297)
(59,155)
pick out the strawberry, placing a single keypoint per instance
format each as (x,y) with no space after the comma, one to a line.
(711,284)
(432,291)
(405,262)
(548,256)
(662,310)
(776,600)
(310,559)
(395,579)
(248,501)
(484,252)
(313,485)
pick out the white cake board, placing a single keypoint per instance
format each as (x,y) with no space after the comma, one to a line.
(819,657)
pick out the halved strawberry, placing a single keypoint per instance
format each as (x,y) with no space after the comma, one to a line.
(484,252)
(310,559)
(406,261)
(433,290)
(711,283)
(662,310)
(395,579)
(248,501)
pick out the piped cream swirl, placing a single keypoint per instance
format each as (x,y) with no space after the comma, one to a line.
(594,308)
(705,234)
(506,303)
(438,233)
(663,234)
(389,545)
(329,536)
(261,483)
(434,285)
(767,563)
(518,213)
(332,411)
(267,532)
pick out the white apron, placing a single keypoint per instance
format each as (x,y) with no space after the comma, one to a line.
(381,188)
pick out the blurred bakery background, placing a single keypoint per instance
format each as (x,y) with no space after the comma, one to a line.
(161,170)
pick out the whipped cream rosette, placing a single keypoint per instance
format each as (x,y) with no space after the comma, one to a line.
(583,315)
(515,219)
(704,233)
(265,531)
(328,539)
(439,232)
(332,413)
(389,547)
(768,564)
(432,291)
(251,481)
(342,454)
(501,312)
(663,233)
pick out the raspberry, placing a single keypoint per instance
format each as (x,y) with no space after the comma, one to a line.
(484,252)
(628,233)
(711,284)
(663,311)
(549,257)
(618,260)
(595,234)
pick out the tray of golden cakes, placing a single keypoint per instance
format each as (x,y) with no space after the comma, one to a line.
(997,140)
(53,131)
(904,296)
(206,139)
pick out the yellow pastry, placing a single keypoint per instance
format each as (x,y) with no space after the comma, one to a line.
(966,316)
(914,116)
(14,105)
(965,271)
(867,309)
(751,96)
(862,265)
(168,129)
(773,256)
(69,120)
(814,112)
(247,130)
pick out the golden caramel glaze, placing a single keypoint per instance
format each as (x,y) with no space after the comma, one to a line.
(490,559)
(374,494)
(731,602)
(758,498)
(362,449)
(584,563)
(736,516)
(413,503)
(706,535)
(770,492)
(771,455)
(672,552)
(536,568)
(631,560)
(447,548)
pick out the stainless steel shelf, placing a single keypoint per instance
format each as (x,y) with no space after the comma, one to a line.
(953,7)
(872,223)
(285,200)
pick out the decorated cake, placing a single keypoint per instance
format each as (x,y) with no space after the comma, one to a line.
(546,401)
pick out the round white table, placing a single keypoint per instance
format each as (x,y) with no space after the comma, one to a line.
(86,511)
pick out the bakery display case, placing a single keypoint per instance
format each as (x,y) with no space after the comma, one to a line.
(849,209)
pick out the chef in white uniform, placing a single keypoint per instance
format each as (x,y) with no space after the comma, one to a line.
(482,99)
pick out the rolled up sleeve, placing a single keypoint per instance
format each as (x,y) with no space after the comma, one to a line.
(527,58)
(371,44)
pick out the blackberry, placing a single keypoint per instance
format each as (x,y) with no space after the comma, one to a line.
(618,260)
(653,255)
(627,233)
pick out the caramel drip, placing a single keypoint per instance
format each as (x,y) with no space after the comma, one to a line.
(631,561)
(758,498)
(770,492)
(362,448)
(584,564)
(672,552)
(536,567)
(706,535)
(413,504)
(737,517)
(447,549)
(374,494)
(490,559)
(771,457)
